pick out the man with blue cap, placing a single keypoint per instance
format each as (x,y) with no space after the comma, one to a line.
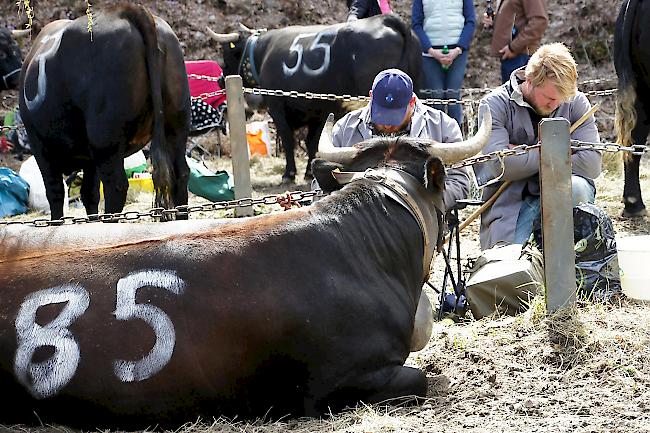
(395,110)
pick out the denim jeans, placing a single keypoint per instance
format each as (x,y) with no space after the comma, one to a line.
(509,65)
(445,84)
(582,191)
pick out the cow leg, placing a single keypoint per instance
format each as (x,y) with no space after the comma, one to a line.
(181,171)
(313,134)
(634,206)
(90,190)
(405,381)
(288,144)
(53,181)
(116,184)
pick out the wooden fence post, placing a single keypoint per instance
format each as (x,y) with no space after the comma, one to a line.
(557,214)
(238,143)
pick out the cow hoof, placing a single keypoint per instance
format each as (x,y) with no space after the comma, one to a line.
(634,213)
(288,178)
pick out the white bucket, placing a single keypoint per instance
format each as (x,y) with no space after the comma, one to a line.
(633,257)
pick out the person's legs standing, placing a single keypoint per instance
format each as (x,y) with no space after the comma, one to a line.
(433,80)
(509,65)
(453,83)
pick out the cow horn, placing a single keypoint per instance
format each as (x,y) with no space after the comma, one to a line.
(223,37)
(21,33)
(326,149)
(453,152)
(245,29)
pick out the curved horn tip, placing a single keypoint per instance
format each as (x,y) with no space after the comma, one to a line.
(20,33)
(326,141)
(244,28)
(221,37)
(484,112)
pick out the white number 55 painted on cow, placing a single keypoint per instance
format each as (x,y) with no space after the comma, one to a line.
(315,46)
(47,378)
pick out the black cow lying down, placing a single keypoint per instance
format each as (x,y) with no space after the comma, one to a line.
(295,312)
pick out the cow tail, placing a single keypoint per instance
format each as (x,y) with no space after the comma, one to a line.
(162,167)
(411,60)
(626,116)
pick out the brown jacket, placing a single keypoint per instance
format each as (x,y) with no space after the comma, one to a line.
(529,18)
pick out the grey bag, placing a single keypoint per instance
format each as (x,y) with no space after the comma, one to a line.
(504,279)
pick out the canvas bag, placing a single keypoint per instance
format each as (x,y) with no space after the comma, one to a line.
(204,183)
(504,279)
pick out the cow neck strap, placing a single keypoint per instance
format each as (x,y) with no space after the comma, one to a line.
(247,67)
(408,192)
(5,76)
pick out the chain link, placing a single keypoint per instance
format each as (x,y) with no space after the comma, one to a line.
(12,128)
(496,155)
(183,210)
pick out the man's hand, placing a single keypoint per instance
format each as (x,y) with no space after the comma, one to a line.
(487,21)
(506,53)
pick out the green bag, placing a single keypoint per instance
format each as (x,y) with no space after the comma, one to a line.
(206,184)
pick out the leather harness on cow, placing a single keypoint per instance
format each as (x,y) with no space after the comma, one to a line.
(405,190)
(4,77)
(247,68)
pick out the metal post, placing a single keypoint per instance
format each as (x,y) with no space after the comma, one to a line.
(557,214)
(238,144)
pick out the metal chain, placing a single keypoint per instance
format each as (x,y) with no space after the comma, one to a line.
(496,155)
(288,198)
(575,145)
(183,210)
(470,90)
(12,127)
(206,95)
(607,92)
(637,149)
(204,77)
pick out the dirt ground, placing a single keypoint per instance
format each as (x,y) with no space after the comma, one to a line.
(586,370)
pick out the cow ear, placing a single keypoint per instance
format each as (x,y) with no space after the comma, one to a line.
(322,171)
(435,174)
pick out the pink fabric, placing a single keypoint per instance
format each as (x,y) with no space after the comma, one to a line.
(211,69)
(384,6)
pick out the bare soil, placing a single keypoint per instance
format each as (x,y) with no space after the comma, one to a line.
(584,370)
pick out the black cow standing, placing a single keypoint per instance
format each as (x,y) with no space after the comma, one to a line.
(340,59)
(632,62)
(90,99)
(10,58)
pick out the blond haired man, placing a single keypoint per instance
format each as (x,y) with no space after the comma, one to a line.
(545,88)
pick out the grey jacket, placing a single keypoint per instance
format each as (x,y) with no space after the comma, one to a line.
(426,122)
(511,123)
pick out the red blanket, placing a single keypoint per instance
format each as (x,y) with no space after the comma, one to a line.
(199,86)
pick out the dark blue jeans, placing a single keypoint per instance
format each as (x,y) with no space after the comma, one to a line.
(509,65)
(445,84)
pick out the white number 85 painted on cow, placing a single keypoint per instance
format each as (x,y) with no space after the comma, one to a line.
(45,379)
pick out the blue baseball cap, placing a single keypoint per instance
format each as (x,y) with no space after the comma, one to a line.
(392,91)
